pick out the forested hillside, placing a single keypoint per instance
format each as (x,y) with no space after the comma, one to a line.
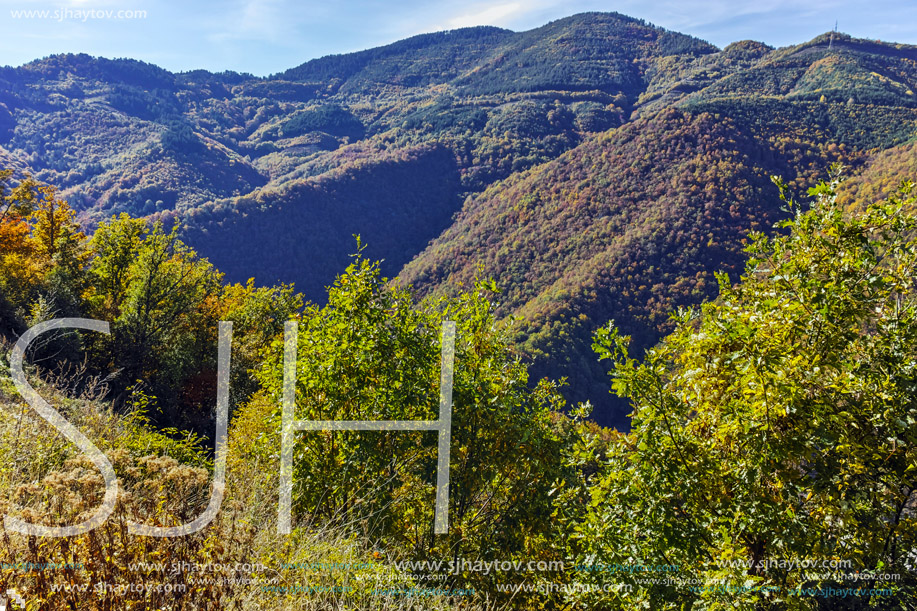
(597,166)
(667,363)
(588,237)
(773,429)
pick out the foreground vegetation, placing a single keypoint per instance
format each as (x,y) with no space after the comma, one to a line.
(770,461)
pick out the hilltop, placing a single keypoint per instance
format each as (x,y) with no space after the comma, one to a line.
(597,167)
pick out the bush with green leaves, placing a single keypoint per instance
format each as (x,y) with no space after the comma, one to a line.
(372,354)
(774,435)
(164,303)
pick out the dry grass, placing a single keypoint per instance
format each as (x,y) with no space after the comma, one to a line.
(238,562)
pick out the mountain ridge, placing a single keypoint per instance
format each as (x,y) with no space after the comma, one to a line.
(436,147)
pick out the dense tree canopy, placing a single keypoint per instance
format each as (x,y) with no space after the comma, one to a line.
(775,424)
(162,300)
(373,354)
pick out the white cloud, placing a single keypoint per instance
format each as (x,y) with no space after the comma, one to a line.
(489,15)
(264,20)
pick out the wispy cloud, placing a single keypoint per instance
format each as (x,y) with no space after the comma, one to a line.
(487,15)
(262,20)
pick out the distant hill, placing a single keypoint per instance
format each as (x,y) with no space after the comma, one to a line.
(598,166)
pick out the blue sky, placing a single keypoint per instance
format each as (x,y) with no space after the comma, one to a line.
(267,36)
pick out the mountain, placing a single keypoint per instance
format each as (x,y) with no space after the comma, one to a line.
(626,226)
(597,167)
(632,223)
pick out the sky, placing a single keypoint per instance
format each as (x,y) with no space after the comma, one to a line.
(264,37)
